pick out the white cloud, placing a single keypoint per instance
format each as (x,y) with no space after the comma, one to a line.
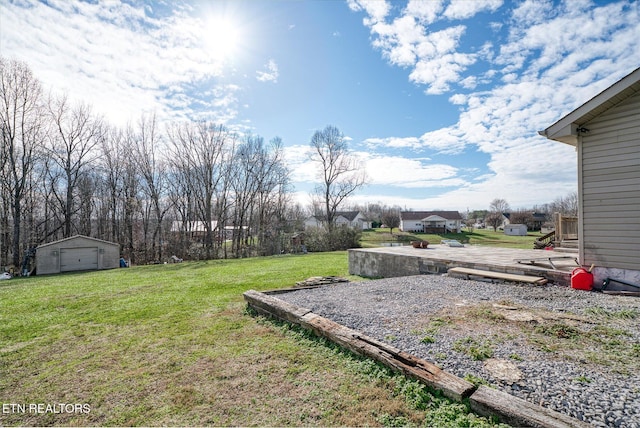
(376,10)
(444,141)
(409,173)
(270,74)
(458,99)
(406,41)
(302,169)
(141,63)
(464,9)
(532,12)
(425,12)
(548,66)
(413,143)
(397,171)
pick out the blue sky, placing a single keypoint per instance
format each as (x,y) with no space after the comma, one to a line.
(441,100)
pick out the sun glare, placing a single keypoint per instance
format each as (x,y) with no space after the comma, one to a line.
(221,37)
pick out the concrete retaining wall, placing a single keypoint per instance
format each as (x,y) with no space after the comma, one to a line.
(378,264)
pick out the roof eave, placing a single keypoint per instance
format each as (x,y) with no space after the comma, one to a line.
(565,130)
(564,133)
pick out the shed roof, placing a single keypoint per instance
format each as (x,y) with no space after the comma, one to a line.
(566,130)
(419,215)
(76,237)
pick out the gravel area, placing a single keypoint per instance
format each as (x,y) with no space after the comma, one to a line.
(572,351)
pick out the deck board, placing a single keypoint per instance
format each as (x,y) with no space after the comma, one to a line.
(498,275)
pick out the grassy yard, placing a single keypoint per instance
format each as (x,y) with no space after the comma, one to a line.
(175,345)
(378,237)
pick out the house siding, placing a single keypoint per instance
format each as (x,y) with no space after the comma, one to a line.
(411,226)
(430,221)
(609,157)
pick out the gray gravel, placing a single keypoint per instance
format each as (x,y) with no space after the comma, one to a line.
(400,311)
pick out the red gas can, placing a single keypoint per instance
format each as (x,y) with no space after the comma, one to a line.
(581,279)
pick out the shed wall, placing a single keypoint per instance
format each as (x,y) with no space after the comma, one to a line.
(515,230)
(610,182)
(78,253)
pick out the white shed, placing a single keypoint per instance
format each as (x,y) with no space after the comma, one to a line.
(515,229)
(75,254)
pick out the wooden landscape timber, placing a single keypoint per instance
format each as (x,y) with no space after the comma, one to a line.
(416,368)
(479,273)
(483,400)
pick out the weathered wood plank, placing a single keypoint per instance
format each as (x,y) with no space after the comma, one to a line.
(497,275)
(416,368)
(484,401)
(411,366)
(271,306)
(518,412)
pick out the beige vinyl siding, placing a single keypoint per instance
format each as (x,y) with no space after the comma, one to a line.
(610,206)
(76,253)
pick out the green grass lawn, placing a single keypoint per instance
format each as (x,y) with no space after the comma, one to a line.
(377,237)
(175,345)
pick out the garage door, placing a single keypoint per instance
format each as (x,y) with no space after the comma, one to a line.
(78,259)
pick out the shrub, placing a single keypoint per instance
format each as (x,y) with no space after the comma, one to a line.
(341,238)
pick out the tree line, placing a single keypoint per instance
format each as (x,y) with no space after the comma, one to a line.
(195,188)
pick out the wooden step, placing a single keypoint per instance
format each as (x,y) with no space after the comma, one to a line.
(468,273)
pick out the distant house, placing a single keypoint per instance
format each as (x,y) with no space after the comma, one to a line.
(606,134)
(538,220)
(535,221)
(194,227)
(198,229)
(431,221)
(77,253)
(506,220)
(515,230)
(353,219)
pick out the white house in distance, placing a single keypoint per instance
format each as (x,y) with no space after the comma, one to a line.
(198,230)
(353,219)
(606,134)
(431,221)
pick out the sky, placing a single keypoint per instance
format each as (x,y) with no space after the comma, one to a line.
(441,100)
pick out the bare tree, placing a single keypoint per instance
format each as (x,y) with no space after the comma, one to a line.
(340,172)
(499,205)
(567,205)
(522,217)
(113,162)
(22,124)
(497,208)
(131,196)
(272,177)
(391,218)
(494,219)
(246,182)
(200,159)
(154,174)
(77,131)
